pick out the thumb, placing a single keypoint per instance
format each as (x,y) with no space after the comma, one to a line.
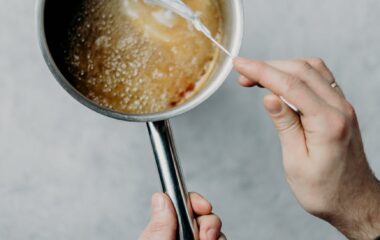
(286,121)
(163,223)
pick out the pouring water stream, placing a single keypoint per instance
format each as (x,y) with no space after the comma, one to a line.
(180,8)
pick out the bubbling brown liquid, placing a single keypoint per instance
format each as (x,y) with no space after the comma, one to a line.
(136,58)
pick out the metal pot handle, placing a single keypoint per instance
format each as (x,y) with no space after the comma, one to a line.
(171,177)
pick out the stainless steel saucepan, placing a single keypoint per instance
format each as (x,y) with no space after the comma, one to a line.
(53,18)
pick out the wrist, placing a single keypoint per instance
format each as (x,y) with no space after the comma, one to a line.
(358,214)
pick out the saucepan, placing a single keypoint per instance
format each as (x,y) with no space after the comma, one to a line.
(53,18)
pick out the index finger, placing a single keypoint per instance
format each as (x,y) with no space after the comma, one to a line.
(286,85)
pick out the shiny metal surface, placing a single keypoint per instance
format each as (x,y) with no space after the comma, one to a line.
(158,126)
(233,34)
(171,176)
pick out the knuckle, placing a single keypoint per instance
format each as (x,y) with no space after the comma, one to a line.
(350,111)
(319,63)
(303,67)
(321,66)
(218,221)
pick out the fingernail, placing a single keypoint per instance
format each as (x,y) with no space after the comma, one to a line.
(158,202)
(211,234)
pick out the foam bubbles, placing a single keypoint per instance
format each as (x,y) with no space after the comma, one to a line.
(116,63)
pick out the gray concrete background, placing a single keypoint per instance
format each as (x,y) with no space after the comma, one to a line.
(68,173)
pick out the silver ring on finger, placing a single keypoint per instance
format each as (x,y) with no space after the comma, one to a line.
(334,85)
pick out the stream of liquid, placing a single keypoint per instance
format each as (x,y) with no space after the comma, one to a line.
(132,57)
(180,8)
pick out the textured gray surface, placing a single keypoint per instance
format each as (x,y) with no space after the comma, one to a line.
(68,173)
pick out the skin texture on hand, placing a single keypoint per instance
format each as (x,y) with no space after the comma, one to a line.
(323,153)
(163,223)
